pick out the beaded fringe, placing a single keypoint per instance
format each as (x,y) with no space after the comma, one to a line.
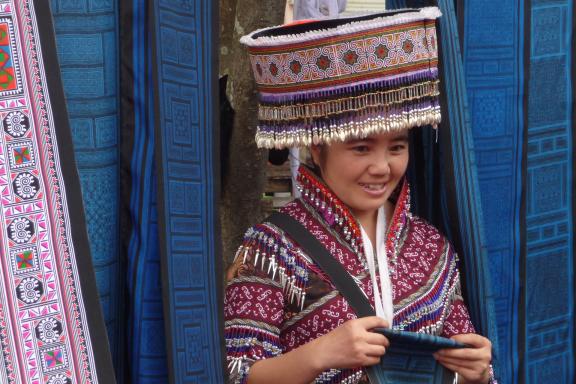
(422,316)
(345,376)
(326,132)
(241,338)
(331,208)
(276,256)
(378,98)
(354,112)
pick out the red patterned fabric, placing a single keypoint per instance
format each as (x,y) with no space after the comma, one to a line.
(279,300)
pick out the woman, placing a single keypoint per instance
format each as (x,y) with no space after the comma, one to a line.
(350,90)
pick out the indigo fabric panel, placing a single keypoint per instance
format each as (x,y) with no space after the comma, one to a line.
(145,340)
(146,336)
(462,196)
(186,89)
(549,187)
(451,183)
(87,43)
(494,66)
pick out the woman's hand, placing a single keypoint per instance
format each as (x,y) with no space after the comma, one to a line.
(352,344)
(473,363)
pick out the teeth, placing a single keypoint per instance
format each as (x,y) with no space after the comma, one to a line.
(373,186)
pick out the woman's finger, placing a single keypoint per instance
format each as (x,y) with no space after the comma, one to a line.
(371,322)
(460,370)
(472,365)
(469,375)
(473,340)
(376,338)
(375,350)
(465,353)
(371,360)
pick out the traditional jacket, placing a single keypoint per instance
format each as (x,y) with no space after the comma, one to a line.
(278,299)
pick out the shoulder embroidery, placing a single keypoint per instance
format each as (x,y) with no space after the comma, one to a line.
(267,248)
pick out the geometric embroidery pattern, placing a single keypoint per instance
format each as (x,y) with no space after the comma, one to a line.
(59,379)
(10,81)
(54,358)
(30,290)
(16,124)
(21,230)
(26,185)
(24,260)
(302,66)
(47,326)
(49,330)
(21,154)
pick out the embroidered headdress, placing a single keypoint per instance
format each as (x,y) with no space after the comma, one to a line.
(334,79)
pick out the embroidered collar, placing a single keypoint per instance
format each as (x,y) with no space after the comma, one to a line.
(337,216)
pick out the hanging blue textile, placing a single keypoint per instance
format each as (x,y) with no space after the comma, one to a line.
(502,171)
(90,34)
(145,336)
(519,62)
(87,42)
(444,175)
(549,179)
(186,86)
(495,78)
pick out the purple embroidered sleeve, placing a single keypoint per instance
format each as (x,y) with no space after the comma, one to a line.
(253,313)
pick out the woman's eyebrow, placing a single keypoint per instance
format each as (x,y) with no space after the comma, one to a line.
(358,141)
(400,138)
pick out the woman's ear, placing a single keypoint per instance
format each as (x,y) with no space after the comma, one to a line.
(315,153)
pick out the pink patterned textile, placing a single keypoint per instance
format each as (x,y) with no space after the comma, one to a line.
(51,329)
(279,300)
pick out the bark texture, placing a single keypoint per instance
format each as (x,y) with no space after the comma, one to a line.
(242,188)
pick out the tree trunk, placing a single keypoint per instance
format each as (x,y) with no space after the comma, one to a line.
(241,205)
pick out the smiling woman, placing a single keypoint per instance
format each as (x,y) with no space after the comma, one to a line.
(363,173)
(349,89)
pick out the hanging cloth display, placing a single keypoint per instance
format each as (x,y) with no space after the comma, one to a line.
(52,329)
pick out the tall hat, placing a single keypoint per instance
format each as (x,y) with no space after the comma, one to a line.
(352,77)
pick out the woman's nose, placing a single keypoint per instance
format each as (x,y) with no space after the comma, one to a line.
(380,165)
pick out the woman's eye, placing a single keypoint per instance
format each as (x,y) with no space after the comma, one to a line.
(398,148)
(360,148)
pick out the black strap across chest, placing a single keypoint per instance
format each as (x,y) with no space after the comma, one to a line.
(341,279)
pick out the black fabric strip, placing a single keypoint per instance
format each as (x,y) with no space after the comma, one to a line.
(446,165)
(573,55)
(126,120)
(460,6)
(338,275)
(161,199)
(521,326)
(127,124)
(94,316)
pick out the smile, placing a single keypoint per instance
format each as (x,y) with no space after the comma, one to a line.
(374,188)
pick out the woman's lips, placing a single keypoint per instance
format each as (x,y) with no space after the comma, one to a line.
(374,189)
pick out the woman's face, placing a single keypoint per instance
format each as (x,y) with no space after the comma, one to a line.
(364,172)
